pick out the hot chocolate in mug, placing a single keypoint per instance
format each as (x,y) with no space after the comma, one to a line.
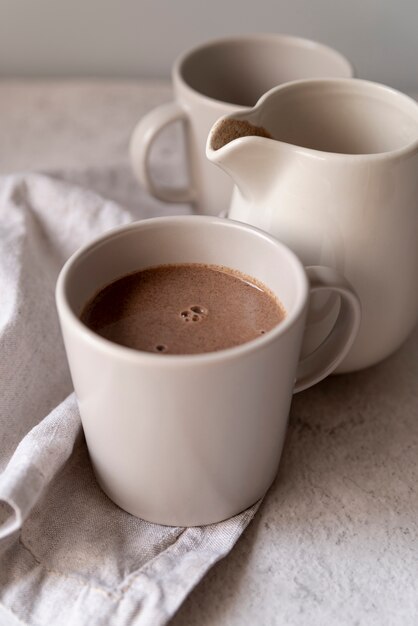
(212,80)
(335,177)
(193,439)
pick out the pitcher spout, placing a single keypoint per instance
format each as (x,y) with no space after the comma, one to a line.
(247,152)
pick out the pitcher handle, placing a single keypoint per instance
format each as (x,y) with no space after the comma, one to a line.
(329,354)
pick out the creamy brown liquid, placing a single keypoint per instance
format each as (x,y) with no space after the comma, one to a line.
(183,309)
(227,130)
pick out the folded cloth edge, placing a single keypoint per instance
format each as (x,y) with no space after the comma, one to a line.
(22,470)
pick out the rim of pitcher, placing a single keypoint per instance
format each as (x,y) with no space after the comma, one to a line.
(361,84)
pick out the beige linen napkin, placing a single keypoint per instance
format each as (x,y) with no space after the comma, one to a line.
(68,555)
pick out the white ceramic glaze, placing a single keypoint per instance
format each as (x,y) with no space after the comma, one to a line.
(190,440)
(211,80)
(339,186)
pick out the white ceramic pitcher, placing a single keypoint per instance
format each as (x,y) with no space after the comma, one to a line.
(338,183)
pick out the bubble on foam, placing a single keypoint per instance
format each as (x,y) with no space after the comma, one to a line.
(194,313)
(160,347)
(200,310)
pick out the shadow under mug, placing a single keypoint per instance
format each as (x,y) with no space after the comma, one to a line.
(188,440)
(215,79)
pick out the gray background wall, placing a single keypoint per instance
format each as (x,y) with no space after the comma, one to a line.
(141,38)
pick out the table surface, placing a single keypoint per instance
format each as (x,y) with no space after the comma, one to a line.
(335,541)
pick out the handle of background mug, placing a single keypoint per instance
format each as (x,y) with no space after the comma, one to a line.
(142,139)
(329,354)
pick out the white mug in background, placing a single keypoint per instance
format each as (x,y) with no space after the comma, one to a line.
(212,80)
(193,439)
(339,186)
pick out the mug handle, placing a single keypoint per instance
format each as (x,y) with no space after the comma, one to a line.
(329,354)
(142,139)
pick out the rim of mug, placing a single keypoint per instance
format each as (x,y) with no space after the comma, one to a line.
(67,314)
(300,42)
(360,83)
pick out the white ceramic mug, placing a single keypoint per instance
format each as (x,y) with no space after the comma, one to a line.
(211,80)
(193,439)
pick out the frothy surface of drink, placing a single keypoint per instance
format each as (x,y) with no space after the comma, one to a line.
(183,309)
